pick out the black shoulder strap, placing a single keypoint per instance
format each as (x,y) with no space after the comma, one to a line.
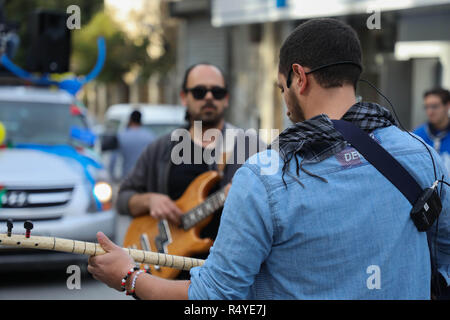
(384,162)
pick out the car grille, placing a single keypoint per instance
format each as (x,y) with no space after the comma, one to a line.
(15,198)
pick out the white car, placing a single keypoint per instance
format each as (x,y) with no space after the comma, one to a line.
(158,118)
(50,174)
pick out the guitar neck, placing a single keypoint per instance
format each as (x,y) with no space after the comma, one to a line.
(204,210)
(94,249)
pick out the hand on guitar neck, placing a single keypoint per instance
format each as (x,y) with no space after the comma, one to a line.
(110,267)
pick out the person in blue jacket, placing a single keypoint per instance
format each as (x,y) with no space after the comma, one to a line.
(436,132)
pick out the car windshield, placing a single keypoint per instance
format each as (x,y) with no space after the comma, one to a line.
(38,123)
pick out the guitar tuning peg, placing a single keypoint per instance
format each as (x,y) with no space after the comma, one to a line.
(9,224)
(28,225)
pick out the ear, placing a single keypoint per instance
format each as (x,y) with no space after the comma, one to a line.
(183,97)
(301,79)
(227,99)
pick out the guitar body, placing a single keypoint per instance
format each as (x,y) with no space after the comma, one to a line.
(147,233)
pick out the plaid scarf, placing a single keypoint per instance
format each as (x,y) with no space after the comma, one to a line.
(316,139)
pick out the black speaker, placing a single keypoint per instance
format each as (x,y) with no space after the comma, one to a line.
(49,42)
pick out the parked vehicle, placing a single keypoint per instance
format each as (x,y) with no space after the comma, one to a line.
(160,119)
(50,173)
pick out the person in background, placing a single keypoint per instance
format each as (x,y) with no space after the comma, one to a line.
(436,132)
(131,143)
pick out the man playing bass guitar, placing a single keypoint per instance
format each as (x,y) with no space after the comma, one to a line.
(158,179)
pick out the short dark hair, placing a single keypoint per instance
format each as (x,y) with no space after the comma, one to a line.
(319,42)
(136,116)
(442,93)
(188,71)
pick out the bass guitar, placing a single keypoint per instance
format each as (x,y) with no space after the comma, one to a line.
(164,237)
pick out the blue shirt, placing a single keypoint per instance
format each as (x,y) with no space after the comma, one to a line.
(349,238)
(439,140)
(132,143)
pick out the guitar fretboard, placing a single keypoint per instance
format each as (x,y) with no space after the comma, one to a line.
(93,249)
(208,207)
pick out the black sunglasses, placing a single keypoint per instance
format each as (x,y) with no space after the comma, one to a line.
(199,92)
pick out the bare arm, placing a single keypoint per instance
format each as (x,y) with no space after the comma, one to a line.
(149,287)
(138,204)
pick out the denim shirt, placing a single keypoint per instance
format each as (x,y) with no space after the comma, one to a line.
(348,238)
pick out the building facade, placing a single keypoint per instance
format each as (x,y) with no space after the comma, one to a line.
(406,49)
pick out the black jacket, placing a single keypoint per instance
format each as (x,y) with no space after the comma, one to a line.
(151,171)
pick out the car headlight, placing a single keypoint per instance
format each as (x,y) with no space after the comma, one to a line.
(103,192)
(100,197)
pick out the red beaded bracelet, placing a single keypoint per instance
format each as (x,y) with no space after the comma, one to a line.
(133,283)
(124,280)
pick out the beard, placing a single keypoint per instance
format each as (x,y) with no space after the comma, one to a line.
(295,111)
(210,115)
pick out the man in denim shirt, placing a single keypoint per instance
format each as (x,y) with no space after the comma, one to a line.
(311,218)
